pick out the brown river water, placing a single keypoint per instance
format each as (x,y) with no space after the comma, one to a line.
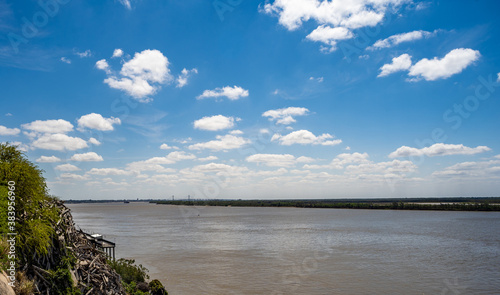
(231,250)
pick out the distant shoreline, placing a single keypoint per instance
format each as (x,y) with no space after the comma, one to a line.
(438,204)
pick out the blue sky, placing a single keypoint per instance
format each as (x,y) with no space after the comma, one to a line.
(254,99)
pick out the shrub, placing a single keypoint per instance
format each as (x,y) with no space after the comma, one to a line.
(130,272)
(157,288)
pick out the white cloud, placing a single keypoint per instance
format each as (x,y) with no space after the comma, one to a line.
(390,168)
(351,14)
(45,159)
(472,170)
(97,122)
(400,63)
(264,131)
(167,147)
(4,131)
(215,123)
(103,65)
(226,142)
(236,132)
(86,53)
(452,63)
(438,149)
(59,142)
(344,14)
(232,93)
(49,126)
(182,79)
(209,158)
(154,164)
(277,160)
(108,171)
(498,79)
(67,168)
(87,157)
(94,141)
(72,176)
(141,76)
(341,160)
(285,116)
(65,60)
(126,3)
(117,53)
(330,36)
(218,168)
(305,137)
(400,38)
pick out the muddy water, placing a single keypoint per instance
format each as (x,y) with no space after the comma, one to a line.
(229,250)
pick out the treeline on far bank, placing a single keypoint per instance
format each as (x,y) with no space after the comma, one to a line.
(443,204)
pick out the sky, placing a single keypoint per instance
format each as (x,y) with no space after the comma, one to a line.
(242,99)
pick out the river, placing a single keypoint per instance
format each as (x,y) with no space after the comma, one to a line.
(232,250)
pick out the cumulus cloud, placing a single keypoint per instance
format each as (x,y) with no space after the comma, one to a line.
(305,137)
(329,36)
(285,116)
(341,160)
(117,53)
(141,76)
(45,159)
(222,143)
(401,38)
(278,160)
(155,163)
(232,93)
(215,123)
(391,169)
(438,149)
(471,170)
(108,171)
(452,63)
(209,158)
(182,79)
(103,65)
(59,142)
(97,122)
(236,132)
(86,53)
(330,14)
(337,13)
(9,131)
(400,63)
(67,168)
(94,141)
(49,126)
(72,176)
(168,147)
(87,157)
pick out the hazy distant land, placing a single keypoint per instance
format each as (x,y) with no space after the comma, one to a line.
(446,204)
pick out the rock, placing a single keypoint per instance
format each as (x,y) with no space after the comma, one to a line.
(5,289)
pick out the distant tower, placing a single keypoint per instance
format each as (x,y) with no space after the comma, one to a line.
(189,198)
(172,197)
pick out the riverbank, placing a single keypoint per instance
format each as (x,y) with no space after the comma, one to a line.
(441,204)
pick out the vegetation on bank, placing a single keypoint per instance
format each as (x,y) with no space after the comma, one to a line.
(448,204)
(42,249)
(134,278)
(35,222)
